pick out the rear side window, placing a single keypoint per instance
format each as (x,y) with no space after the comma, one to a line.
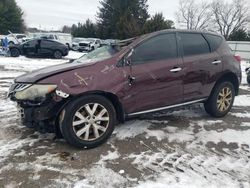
(46,43)
(214,41)
(157,48)
(194,44)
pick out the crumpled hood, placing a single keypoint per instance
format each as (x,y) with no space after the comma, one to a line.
(40,74)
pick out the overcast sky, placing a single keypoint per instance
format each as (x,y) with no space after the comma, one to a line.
(53,14)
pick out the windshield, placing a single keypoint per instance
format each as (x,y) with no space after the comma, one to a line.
(78,39)
(99,54)
(89,40)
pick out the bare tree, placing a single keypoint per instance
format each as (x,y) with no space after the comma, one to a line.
(194,15)
(229,17)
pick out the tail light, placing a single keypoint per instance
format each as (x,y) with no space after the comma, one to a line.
(238,58)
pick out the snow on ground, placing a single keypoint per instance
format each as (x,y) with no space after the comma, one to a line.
(181,148)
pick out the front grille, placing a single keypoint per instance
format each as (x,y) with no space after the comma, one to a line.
(18,87)
(83,44)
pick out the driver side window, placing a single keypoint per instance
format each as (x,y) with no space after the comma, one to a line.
(31,44)
(157,48)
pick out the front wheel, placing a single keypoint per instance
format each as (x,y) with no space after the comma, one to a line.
(14,52)
(221,99)
(88,122)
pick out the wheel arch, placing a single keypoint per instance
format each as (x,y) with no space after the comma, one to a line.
(229,76)
(110,96)
(16,48)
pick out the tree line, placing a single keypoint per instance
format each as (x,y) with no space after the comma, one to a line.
(230,19)
(127,18)
(121,19)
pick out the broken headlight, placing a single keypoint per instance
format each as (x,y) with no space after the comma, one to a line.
(34,91)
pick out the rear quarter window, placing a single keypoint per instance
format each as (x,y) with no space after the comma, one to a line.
(214,41)
(194,44)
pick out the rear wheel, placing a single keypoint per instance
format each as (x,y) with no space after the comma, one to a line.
(14,52)
(68,46)
(57,54)
(88,121)
(221,100)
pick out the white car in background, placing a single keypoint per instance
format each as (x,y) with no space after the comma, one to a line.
(75,43)
(16,38)
(89,44)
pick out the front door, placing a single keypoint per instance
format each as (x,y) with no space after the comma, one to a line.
(29,48)
(155,75)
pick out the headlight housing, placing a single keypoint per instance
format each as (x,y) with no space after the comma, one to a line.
(34,92)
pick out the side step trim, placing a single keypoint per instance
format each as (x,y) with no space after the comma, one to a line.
(165,108)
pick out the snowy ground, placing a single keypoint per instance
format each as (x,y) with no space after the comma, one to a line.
(183,148)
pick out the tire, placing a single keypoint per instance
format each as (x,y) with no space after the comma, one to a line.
(248,79)
(224,92)
(68,46)
(92,49)
(14,52)
(57,54)
(74,48)
(88,132)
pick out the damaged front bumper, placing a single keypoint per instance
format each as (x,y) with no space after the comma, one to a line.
(38,109)
(42,116)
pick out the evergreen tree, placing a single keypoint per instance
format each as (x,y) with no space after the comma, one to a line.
(86,30)
(11,17)
(239,35)
(122,18)
(156,23)
(66,29)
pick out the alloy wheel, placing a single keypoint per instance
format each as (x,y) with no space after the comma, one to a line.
(224,99)
(91,121)
(14,53)
(58,55)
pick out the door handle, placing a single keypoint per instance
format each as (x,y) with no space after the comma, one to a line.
(176,69)
(216,62)
(131,80)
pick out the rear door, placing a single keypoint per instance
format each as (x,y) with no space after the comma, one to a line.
(47,47)
(201,65)
(156,71)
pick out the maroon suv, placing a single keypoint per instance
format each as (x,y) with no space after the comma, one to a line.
(84,100)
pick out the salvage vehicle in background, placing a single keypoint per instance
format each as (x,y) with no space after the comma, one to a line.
(75,43)
(86,99)
(89,44)
(16,38)
(63,38)
(39,48)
